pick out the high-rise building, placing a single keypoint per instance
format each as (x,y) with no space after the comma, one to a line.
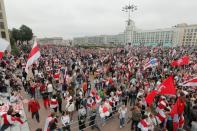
(185,34)
(3,22)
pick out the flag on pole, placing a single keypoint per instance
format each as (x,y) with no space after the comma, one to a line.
(3,46)
(191,82)
(167,87)
(33,56)
(177,113)
(150,97)
(182,61)
(151,63)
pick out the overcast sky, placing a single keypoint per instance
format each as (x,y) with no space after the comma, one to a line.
(73,18)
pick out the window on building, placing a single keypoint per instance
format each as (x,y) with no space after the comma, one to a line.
(191,30)
(2,25)
(0,6)
(3,34)
(195,30)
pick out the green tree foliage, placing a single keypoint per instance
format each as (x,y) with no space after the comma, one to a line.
(16,35)
(23,34)
(26,33)
(15,49)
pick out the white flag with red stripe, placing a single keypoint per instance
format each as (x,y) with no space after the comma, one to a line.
(191,82)
(3,46)
(33,56)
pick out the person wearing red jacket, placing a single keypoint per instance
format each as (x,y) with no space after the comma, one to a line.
(33,107)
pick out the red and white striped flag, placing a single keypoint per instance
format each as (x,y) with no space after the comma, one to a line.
(3,46)
(191,82)
(33,56)
(143,125)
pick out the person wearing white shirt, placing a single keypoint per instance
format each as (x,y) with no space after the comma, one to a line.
(70,107)
(122,115)
(13,98)
(50,89)
(65,119)
(103,113)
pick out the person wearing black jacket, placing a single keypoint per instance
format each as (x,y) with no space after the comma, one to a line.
(124,96)
(78,101)
(59,99)
(93,118)
(24,74)
(132,96)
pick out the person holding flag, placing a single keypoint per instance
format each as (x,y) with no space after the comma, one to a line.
(33,56)
(177,112)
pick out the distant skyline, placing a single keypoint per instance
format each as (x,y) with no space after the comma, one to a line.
(74,18)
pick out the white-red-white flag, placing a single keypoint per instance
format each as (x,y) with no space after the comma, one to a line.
(191,82)
(33,56)
(4,45)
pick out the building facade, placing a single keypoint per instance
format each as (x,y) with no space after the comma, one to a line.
(153,37)
(179,35)
(100,39)
(3,22)
(185,34)
(54,41)
(50,41)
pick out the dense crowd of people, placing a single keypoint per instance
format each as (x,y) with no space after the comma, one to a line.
(100,84)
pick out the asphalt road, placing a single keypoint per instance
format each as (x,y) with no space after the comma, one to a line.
(111,125)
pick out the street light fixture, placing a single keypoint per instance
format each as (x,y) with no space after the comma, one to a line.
(129,9)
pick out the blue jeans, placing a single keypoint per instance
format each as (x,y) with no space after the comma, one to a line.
(102,120)
(122,121)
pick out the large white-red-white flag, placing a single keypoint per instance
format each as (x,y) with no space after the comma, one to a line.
(33,56)
(191,82)
(4,45)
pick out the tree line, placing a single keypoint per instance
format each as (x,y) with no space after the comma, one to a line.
(20,36)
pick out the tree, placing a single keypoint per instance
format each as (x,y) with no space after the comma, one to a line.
(19,36)
(26,33)
(15,49)
(16,35)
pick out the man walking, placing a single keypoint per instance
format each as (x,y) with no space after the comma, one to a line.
(33,107)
